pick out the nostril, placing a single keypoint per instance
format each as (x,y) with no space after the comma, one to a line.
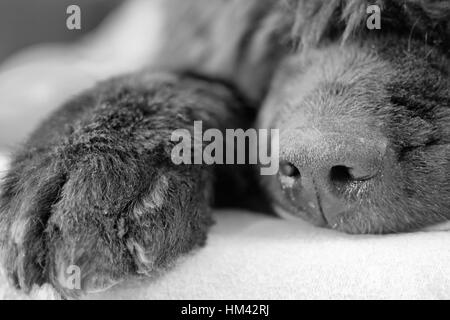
(341,174)
(289,170)
(344,174)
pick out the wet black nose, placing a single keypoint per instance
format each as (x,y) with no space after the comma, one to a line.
(321,175)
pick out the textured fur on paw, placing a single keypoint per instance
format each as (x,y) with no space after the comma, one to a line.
(101,194)
(106,216)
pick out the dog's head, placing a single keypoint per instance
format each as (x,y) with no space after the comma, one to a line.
(365,127)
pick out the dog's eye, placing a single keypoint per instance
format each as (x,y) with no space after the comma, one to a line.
(404,151)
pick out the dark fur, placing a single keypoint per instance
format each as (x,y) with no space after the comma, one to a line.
(95,187)
(399,90)
(382,90)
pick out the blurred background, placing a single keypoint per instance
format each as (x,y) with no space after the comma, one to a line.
(29,22)
(43,63)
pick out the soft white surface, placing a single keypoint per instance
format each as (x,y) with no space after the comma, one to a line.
(252,256)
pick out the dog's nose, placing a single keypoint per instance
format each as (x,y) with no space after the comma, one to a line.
(321,173)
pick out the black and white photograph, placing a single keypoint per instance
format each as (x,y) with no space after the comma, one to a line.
(224,150)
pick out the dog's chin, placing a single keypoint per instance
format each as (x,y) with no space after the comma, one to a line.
(300,215)
(352,221)
(296,214)
(343,224)
(288,215)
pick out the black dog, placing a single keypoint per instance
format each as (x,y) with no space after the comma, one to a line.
(364,142)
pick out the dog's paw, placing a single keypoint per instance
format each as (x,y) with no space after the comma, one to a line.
(85,220)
